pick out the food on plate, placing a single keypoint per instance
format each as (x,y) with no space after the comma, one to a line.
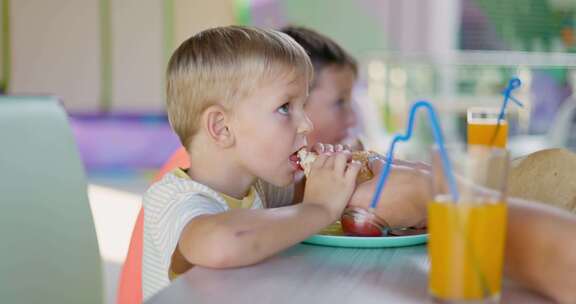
(355,221)
(361,222)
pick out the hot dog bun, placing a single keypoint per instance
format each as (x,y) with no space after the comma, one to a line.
(307,158)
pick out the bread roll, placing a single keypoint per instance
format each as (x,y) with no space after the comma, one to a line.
(307,158)
(547,176)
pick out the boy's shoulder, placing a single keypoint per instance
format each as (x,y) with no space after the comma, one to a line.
(177,186)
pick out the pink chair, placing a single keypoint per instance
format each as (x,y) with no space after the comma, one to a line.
(130,287)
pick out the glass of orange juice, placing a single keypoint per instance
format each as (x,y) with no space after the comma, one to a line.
(467,234)
(484,129)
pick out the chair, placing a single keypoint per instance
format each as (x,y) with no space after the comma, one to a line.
(178,160)
(49,248)
(130,286)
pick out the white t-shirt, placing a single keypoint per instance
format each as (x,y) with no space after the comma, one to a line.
(171,203)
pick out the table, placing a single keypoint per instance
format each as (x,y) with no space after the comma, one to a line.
(316,274)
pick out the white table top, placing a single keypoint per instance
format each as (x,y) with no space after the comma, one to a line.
(316,274)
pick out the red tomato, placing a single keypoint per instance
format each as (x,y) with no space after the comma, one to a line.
(359,228)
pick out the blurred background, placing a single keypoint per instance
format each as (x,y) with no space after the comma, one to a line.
(105,61)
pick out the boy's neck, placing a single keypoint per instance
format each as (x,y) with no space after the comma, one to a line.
(212,167)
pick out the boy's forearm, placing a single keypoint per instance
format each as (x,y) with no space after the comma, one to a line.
(541,249)
(243,237)
(260,236)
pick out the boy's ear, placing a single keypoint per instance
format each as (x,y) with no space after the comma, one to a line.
(215,120)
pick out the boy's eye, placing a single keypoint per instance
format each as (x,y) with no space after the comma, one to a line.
(284,109)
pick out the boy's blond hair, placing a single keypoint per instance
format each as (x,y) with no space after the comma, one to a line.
(221,65)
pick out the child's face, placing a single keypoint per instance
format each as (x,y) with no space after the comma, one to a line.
(329,105)
(269,126)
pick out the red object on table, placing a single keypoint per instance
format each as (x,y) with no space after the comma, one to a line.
(130,286)
(361,222)
(353,228)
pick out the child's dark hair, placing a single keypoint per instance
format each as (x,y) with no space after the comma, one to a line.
(322,50)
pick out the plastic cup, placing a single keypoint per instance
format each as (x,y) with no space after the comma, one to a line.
(483,128)
(466,237)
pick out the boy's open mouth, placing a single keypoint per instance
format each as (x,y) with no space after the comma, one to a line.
(295,161)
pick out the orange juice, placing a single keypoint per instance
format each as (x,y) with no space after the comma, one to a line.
(488,133)
(466,249)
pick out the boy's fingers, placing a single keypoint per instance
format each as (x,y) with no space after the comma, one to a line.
(320,161)
(352,170)
(340,162)
(328,148)
(338,148)
(347,154)
(318,148)
(330,161)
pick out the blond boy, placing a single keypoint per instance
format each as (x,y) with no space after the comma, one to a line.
(235,97)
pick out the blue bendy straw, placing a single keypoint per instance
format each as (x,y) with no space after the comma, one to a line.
(437,131)
(513,84)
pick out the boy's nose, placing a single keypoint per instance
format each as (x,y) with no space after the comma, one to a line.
(305,126)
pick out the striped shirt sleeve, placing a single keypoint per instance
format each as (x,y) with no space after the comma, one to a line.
(164,219)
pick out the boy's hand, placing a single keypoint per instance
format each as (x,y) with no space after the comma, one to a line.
(331,180)
(405,195)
